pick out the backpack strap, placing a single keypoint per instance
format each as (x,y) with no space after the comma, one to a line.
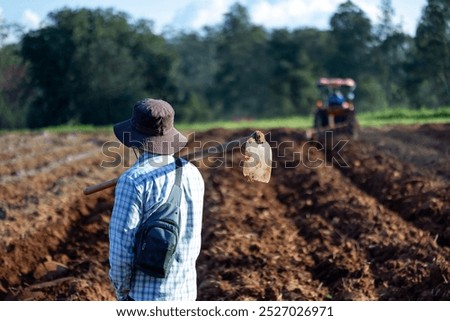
(161,231)
(175,194)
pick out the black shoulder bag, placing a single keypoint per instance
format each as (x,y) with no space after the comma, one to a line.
(157,237)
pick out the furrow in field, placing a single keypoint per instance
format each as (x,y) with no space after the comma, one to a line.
(426,147)
(421,199)
(362,249)
(374,230)
(67,259)
(251,251)
(46,228)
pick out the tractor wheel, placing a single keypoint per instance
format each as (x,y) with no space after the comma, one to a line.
(320,118)
(353,126)
(317,120)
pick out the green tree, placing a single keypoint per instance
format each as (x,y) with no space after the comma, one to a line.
(292,81)
(242,76)
(386,27)
(90,66)
(195,71)
(390,54)
(9,31)
(433,49)
(49,52)
(370,95)
(13,88)
(351,31)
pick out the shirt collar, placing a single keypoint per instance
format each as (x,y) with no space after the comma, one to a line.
(158,159)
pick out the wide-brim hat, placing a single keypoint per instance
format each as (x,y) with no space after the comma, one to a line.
(151,128)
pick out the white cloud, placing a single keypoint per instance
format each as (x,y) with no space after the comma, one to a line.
(193,15)
(294,13)
(201,13)
(211,14)
(371,8)
(31,19)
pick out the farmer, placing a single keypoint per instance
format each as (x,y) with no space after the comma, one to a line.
(336,98)
(141,190)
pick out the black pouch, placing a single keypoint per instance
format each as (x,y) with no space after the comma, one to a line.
(157,237)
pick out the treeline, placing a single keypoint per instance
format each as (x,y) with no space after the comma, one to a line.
(90,66)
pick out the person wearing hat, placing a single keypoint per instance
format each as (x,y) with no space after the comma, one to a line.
(140,191)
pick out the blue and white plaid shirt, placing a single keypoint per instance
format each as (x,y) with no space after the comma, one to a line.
(142,189)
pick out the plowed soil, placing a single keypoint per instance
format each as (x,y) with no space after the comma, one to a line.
(365,219)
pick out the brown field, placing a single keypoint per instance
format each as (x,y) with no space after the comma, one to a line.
(376,229)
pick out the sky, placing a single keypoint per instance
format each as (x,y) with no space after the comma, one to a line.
(191,15)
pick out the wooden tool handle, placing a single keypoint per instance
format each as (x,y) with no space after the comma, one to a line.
(104,185)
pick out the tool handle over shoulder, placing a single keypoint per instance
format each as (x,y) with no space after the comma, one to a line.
(99,187)
(194,156)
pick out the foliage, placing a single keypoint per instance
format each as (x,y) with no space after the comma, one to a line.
(351,30)
(90,66)
(13,88)
(292,84)
(88,60)
(433,46)
(242,74)
(373,93)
